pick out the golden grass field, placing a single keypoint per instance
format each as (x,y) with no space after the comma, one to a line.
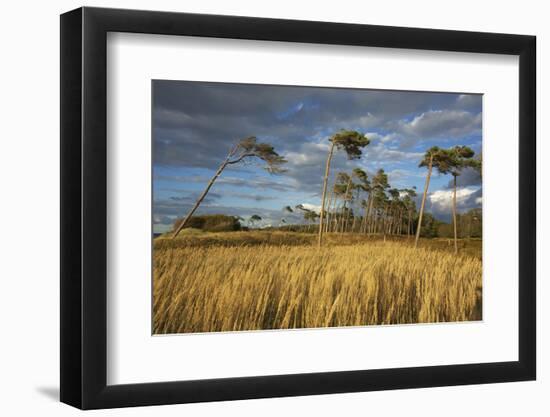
(209,282)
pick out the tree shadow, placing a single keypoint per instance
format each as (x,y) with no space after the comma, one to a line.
(50,392)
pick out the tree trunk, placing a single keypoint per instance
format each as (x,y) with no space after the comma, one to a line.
(384,222)
(400,223)
(369,212)
(389,222)
(409,225)
(202,196)
(337,218)
(345,214)
(332,209)
(329,214)
(354,223)
(423,201)
(325,181)
(454,212)
(363,225)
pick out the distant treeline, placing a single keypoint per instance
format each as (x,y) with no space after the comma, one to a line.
(470,224)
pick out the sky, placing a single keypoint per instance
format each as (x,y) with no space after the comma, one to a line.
(195,124)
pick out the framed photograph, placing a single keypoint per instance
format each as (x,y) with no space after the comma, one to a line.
(259,208)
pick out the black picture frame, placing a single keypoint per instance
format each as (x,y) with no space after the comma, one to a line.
(84,207)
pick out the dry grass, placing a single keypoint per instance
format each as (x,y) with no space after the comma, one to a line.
(250,281)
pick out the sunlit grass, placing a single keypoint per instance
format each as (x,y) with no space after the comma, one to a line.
(237,281)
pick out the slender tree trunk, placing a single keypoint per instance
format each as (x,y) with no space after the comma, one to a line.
(369,211)
(344,213)
(325,181)
(409,225)
(335,208)
(363,225)
(330,226)
(426,186)
(329,214)
(454,212)
(400,222)
(202,196)
(354,223)
(384,221)
(337,218)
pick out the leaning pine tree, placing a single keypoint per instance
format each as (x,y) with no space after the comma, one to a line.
(352,143)
(460,158)
(434,157)
(245,149)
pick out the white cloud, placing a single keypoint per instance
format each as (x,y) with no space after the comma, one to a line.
(377,137)
(313,207)
(442,123)
(310,154)
(442,200)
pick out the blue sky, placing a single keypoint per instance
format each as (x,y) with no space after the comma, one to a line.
(196,123)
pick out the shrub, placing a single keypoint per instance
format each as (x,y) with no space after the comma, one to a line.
(212,223)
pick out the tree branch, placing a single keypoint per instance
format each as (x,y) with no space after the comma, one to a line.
(240,158)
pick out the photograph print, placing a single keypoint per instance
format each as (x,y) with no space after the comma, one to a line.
(298,207)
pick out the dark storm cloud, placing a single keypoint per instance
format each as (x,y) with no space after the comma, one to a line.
(260,183)
(195,124)
(192,197)
(253,197)
(468,177)
(441,123)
